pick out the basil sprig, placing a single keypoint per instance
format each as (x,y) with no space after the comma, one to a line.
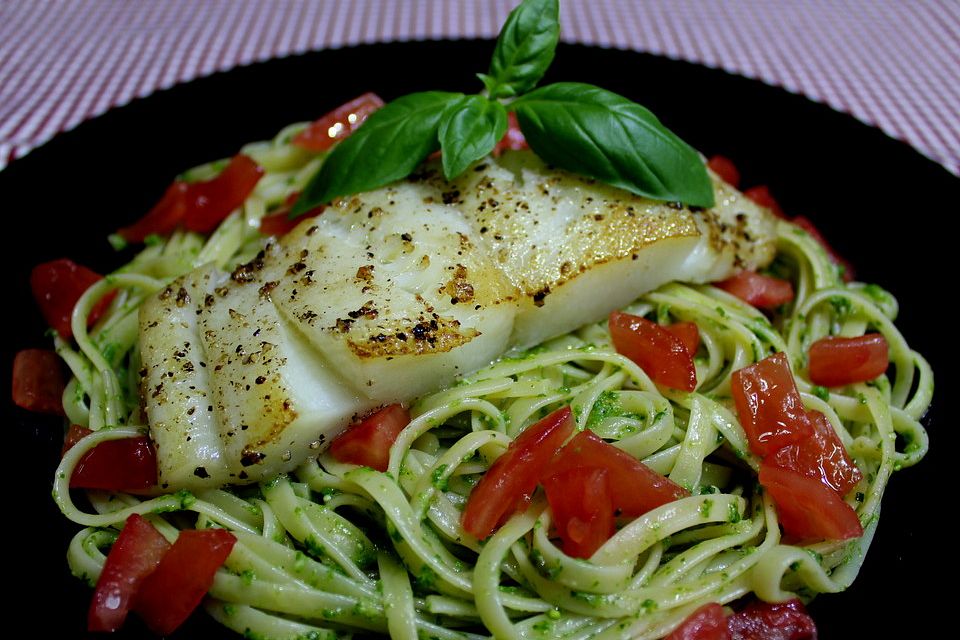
(575,126)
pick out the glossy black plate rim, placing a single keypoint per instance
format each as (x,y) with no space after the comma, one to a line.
(882,204)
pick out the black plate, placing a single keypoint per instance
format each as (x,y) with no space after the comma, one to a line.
(882,205)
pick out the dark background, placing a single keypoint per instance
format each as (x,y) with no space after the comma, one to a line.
(882,205)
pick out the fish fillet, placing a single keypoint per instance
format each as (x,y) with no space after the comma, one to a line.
(395,293)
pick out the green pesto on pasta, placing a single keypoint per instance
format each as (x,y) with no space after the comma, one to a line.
(332,548)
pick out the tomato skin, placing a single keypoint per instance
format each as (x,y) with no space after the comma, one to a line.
(582,509)
(662,355)
(198,206)
(804,223)
(635,488)
(769,405)
(57,285)
(760,291)
(726,169)
(511,480)
(344,120)
(279,223)
(821,456)
(762,196)
(169,595)
(513,139)
(38,381)
(688,333)
(772,621)
(135,554)
(368,442)
(127,464)
(163,217)
(706,623)
(808,508)
(210,201)
(837,362)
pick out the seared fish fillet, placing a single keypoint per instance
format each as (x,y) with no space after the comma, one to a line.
(394,293)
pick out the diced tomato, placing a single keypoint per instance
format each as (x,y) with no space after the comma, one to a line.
(726,169)
(337,124)
(134,556)
(210,201)
(769,405)
(763,292)
(706,623)
(820,456)
(635,488)
(169,595)
(509,482)
(38,381)
(163,217)
(688,333)
(198,206)
(368,442)
(662,355)
(836,361)
(57,285)
(582,509)
(513,139)
(772,621)
(808,508)
(127,464)
(74,434)
(762,196)
(804,223)
(279,223)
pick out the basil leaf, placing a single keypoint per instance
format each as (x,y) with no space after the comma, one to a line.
(524,48)
(392,142)
(470,130)
(600,134)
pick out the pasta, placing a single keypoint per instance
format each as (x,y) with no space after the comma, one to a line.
(333,548)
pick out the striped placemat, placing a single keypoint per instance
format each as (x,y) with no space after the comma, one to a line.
(894,64)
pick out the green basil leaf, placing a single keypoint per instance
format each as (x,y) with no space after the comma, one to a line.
(392,142)
(600,134)
(524,48)
(470,130)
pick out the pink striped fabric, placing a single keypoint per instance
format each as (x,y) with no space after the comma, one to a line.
(891,63)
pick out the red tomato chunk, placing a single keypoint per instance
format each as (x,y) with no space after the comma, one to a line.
(169,595)
(337,124)
(511,480)
(279,223)
(808,508)
(760,291)
(57,285)
(513,139)
(635,488)
(582,509)
(127,464)
(769,405)
(135,554)
(821,456)
(38,381)
(661,354)
(772,621)
(368,442)
(726,169)
(836,361)
(198,206)
(706,623)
